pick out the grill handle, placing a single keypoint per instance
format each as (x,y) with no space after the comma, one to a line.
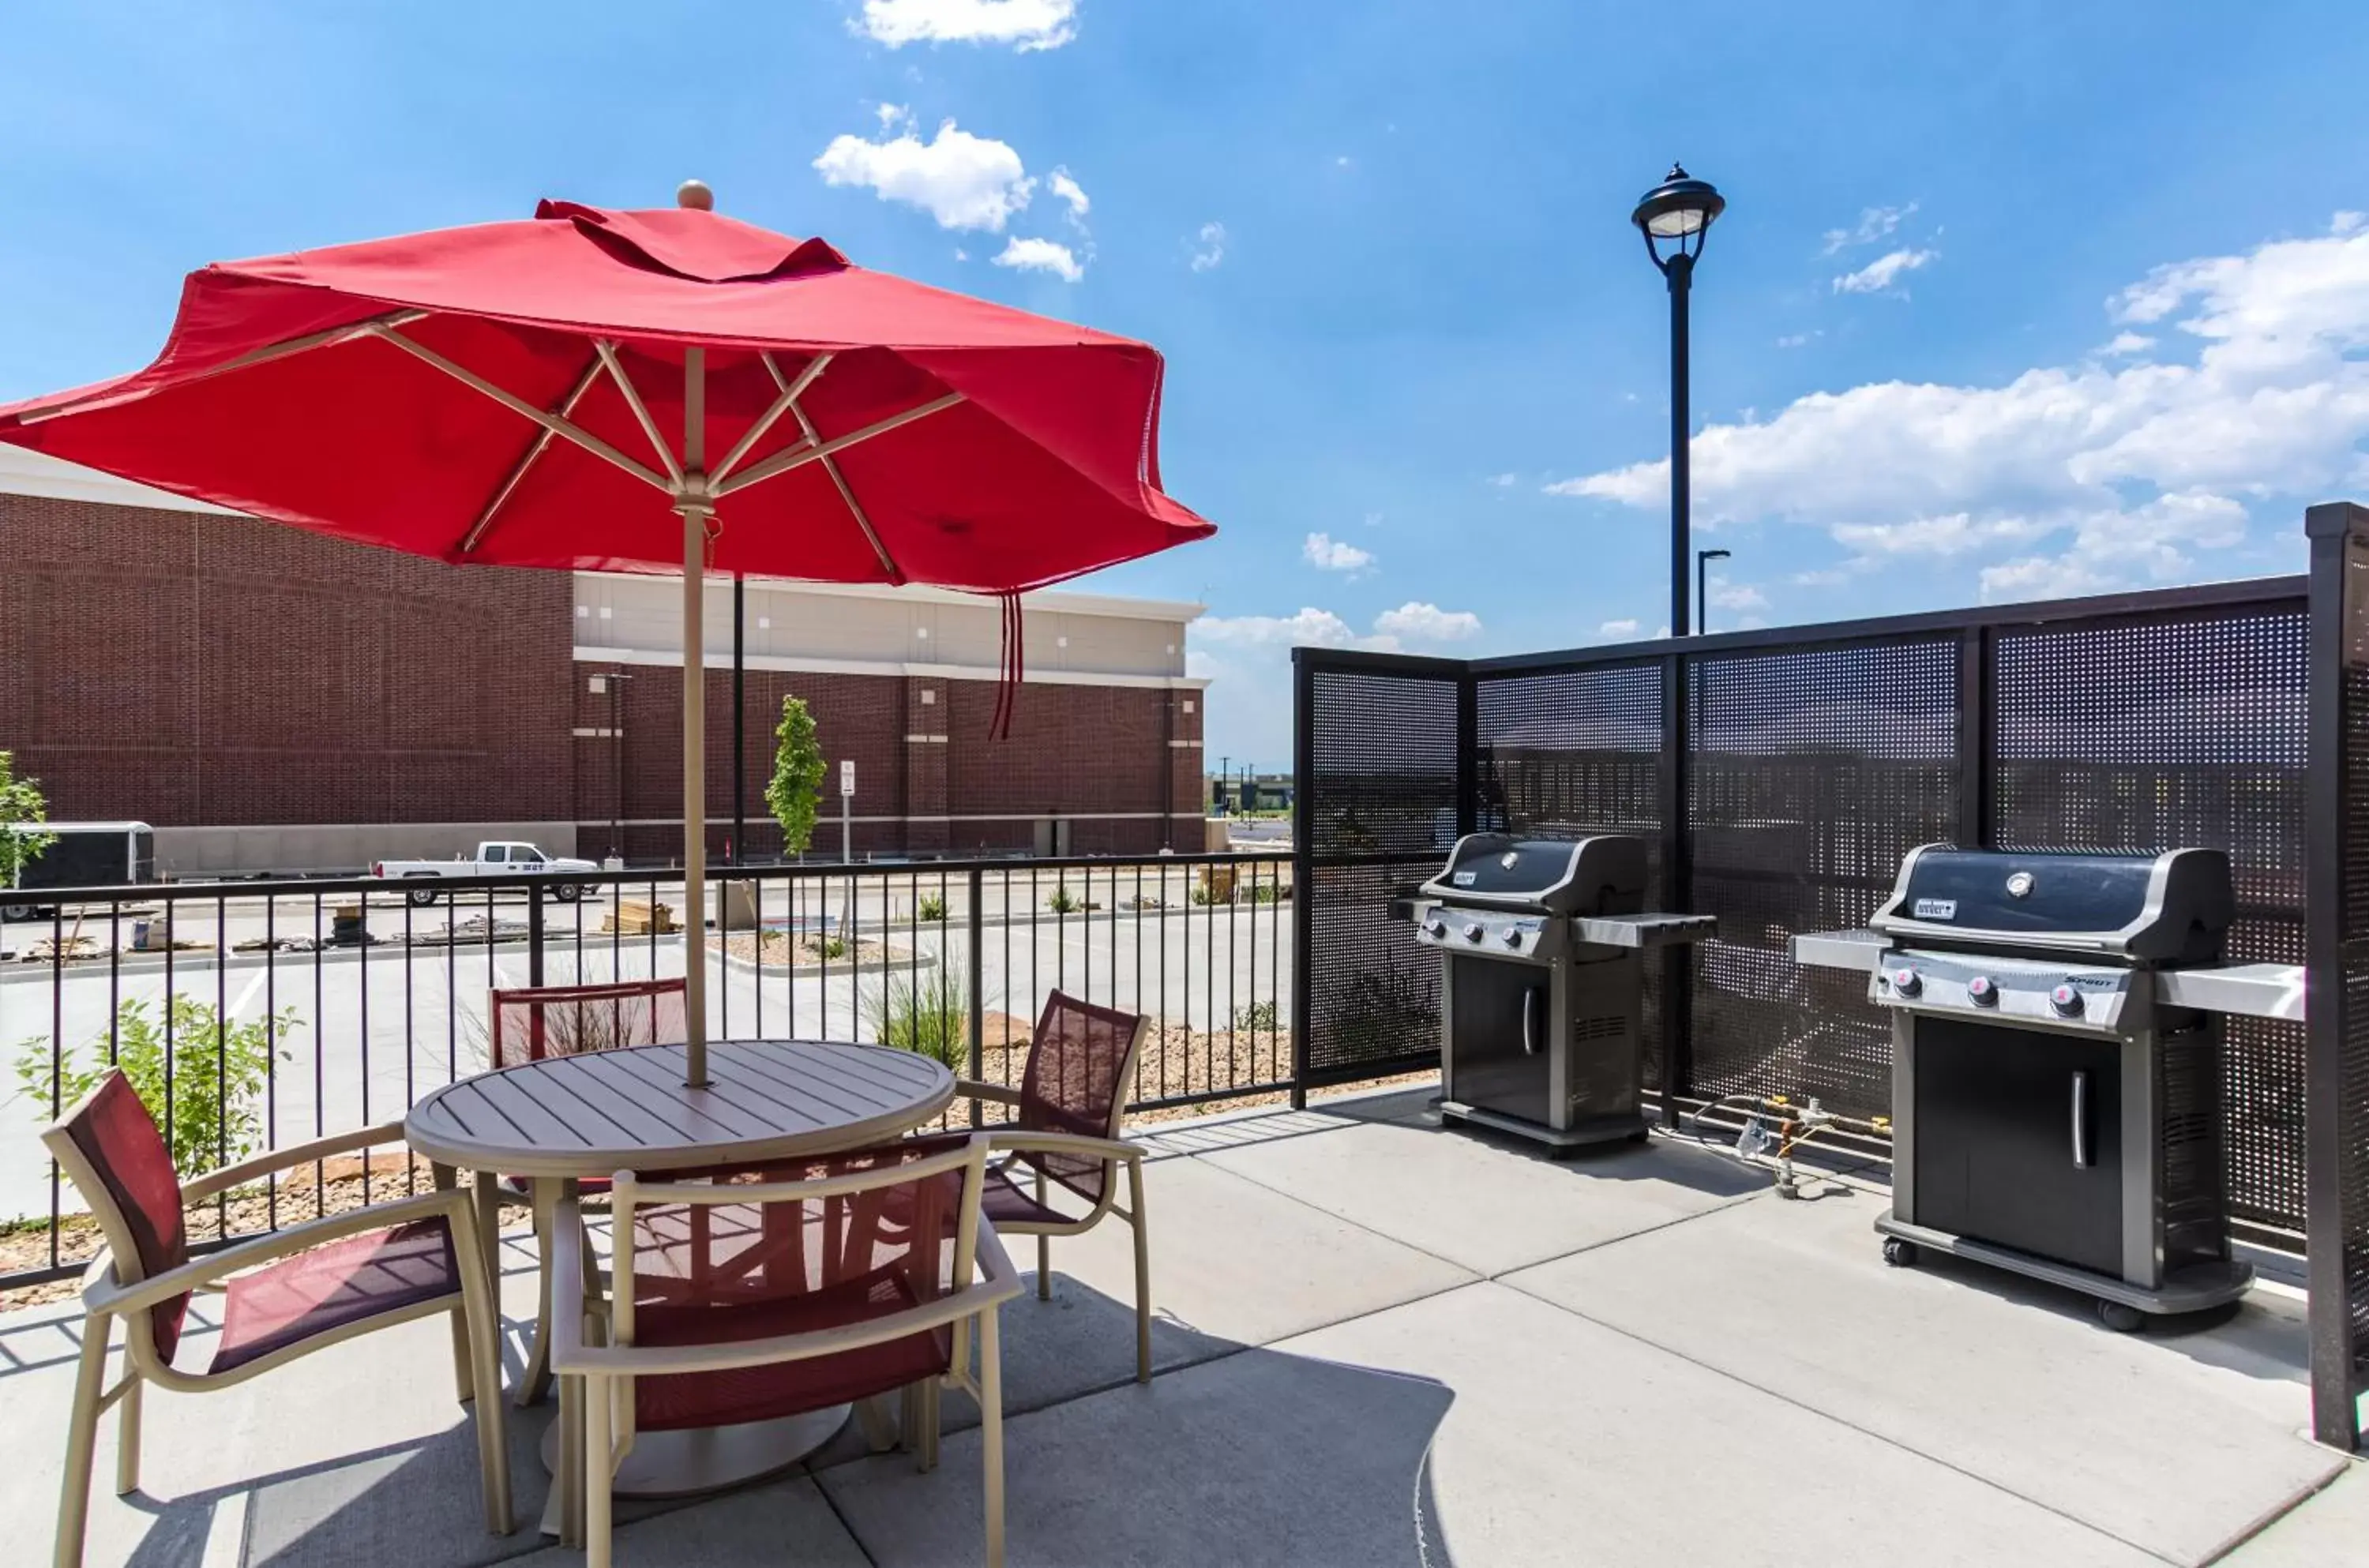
(2081,1152)
(1533,1021)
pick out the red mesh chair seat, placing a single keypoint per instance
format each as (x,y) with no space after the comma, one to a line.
(120,1138)
(335,1287)
(728,1272)
(530,1024)
(784,1388)
(1006,1202)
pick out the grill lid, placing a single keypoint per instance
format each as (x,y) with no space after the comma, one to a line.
(1600,874)
(2173,908)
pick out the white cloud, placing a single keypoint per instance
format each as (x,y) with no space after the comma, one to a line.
(1041,256)
(1373,520)
(1795,340)
(1329,554)
(1068,189)
(1737,595)
(1875,224)
(1209,247)
(1627,628)
(1823,577)
(1883,271)
(2128,343)
(1310,628)
(892,114)
(964,181)
(1504,481)
(1420,623)
(2068,478)
(1025,24)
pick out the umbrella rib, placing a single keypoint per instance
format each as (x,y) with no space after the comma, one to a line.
(830,466)
(265,355)
(535,449)
(608,352)
(791,391)
(520,406)
(798,457)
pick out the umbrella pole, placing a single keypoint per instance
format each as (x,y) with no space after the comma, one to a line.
(691,501)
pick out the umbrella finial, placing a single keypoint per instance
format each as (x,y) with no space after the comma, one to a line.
(695,194)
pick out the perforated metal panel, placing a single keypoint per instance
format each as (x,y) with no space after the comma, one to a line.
(1573,752)
(1814,772)
(2143,734)
(1376,814)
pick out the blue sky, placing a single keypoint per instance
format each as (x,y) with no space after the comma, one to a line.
(2011,300)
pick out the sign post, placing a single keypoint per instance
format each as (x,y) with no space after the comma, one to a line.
(846,804)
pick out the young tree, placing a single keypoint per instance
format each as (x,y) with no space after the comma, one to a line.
(20,803)
(795,795)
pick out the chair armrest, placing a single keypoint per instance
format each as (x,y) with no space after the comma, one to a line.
(994,1265)
(264,1164)
(107,1295)
(970,1089)
(1037,1142)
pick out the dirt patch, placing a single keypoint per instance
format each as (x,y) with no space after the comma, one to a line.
(777,949)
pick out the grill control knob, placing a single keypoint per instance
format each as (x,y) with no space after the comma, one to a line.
(1906,981)
(1437,927)
(1474,932)
(2067,999)
(1512,936)
(1984,990)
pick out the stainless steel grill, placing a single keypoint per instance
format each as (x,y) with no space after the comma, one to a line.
(2056,1064)
(1541,941)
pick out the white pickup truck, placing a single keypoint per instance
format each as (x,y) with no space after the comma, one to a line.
(495,858)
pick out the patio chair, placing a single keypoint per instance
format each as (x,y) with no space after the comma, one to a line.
(758,1294)
(1064,1130)
(531,1023)
(285,1294)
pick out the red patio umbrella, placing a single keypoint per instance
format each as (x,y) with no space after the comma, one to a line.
(643,390)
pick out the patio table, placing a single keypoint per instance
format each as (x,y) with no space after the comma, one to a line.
(565,1120)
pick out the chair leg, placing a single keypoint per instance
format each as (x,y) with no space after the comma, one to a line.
(871,1414)
(1136,1223)
(464,1380)
(933,1421)
(480,1315)
(597,1474)
(82,1440)
(127,1440)
(990,1432)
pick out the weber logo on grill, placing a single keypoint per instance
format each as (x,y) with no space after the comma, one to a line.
(1465,878)
(1937,908)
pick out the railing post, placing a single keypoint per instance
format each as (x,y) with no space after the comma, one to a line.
(535,891)
(1303,867)
(1677,890)
(978,985)
(2336,1073)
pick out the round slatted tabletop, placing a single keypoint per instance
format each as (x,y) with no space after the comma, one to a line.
(596,1114)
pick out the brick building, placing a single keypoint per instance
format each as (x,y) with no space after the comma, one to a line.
(269,699)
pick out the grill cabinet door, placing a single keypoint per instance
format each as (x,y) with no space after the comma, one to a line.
(1492,1070)
(1996,1139)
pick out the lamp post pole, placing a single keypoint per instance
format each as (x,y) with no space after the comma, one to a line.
(739,724)
(1679,213)
(1703,558)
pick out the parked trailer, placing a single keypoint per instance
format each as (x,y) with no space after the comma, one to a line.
(87,854)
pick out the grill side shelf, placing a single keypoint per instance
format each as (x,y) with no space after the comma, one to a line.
(1858,951)
(2251,991)
(1643,931)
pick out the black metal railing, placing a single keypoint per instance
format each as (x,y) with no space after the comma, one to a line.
(257,1014)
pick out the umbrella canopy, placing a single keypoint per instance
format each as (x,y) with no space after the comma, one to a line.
(652,390)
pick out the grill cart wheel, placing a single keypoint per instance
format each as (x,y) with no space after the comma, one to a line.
(2121,1319)
(1899,1253)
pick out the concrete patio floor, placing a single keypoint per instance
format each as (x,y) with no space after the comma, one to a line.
(1380,1344)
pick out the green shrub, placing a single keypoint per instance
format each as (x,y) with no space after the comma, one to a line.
(218,1074)
(931,908)
(930,1016)
(834,947)
(1203,897)
(1256,1016)
(1063,901)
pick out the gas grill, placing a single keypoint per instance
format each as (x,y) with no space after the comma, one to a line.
(2056,1063)
(1541,983)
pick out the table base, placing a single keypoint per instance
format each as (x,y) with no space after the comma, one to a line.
(709,1458)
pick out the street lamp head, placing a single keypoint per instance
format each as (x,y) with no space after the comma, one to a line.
(1678,213)
(1714,554)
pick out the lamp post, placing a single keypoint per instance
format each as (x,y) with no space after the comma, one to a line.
(1703,558)
(1673,217)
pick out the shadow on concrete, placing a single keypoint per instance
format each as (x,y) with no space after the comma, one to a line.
(1249,1455)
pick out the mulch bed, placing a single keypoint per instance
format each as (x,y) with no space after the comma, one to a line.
(778,950)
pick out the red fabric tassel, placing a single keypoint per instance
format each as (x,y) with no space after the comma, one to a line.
(1008,677)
